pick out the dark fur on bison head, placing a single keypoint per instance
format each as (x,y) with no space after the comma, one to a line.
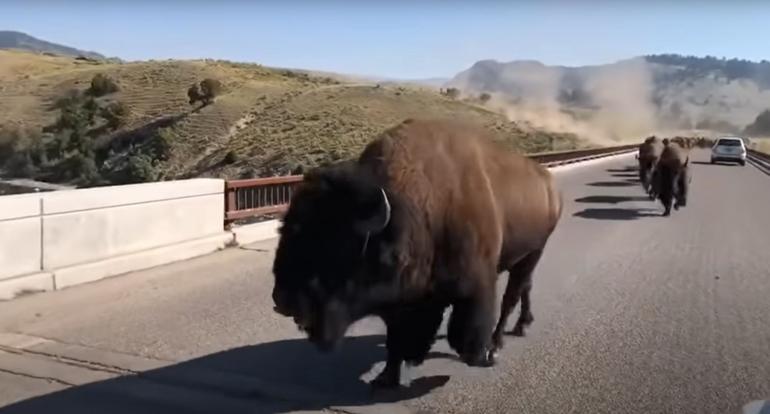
(334,228)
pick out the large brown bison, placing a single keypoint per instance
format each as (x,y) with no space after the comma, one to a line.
(672,176)
(649,153)
(427,217)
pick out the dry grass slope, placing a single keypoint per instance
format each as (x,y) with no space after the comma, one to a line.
(762,145)
(266,122)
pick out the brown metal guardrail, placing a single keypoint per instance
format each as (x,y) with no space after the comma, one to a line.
(252,198)
(759,154)
(760,159)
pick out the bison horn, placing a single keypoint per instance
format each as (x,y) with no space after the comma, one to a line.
(380,220)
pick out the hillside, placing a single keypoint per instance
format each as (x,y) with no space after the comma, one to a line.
(264,122)
(22,41)
(632,97)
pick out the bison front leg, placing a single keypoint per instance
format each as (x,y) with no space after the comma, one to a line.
(470,327)
(411,334)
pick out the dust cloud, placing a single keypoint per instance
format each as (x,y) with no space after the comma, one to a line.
(620,102)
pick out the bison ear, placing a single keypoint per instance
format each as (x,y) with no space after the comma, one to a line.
(375,215)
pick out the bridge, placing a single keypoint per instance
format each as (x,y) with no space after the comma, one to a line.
(155,298)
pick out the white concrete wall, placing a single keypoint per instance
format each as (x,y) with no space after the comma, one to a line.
(20,229)
(76,236)
(92,224)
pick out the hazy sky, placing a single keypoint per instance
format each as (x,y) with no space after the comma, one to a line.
(396,38)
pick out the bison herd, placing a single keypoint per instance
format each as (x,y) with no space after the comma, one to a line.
(427,218)
(664,169)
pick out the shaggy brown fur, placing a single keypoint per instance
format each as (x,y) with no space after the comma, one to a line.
(672,176)
(649,153)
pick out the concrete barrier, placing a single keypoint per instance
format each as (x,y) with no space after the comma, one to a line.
(54,240)
(64,238)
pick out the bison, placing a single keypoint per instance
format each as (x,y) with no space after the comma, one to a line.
(427,217)
(649,153)
(672,176)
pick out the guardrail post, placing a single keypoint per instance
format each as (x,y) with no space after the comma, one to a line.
(230,205)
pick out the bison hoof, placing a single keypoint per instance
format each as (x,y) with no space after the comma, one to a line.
(518,330)
(386,380)
(492,356)
(485,360)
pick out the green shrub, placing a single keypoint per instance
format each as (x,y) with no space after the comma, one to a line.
(141,168)
(230,158)
(115,114)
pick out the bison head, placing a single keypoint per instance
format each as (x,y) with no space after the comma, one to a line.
(329,262)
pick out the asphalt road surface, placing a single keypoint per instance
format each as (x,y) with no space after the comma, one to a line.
(634,313)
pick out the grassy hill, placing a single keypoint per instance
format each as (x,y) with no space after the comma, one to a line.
(21,41)
(265,121)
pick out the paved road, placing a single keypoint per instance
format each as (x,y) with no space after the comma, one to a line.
(634,313)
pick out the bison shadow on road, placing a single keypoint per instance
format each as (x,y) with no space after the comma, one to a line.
(624,175)
(610,199)
(276,377)
(617,213)
(718,163)
(625,183)
(626,169)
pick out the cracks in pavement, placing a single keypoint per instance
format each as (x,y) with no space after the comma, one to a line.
(221,381)
(84,345)
(49,379)
(80,363)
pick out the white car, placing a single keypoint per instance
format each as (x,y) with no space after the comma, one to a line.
(730,149)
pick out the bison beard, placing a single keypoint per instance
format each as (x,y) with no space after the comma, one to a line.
(426,218)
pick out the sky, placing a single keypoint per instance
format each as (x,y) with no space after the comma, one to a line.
(397,38)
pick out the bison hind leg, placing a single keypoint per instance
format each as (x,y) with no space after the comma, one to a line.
(518,288)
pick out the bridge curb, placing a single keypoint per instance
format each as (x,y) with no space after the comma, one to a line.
(26,284)
(120,265)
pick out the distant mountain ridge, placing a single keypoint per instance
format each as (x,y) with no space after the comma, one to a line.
(653,92)
(17,40)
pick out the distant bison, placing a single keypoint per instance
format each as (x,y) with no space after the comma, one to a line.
(427,217)
(672,176)
(649,153)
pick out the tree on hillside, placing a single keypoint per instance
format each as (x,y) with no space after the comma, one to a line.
(205,91)
(760,126)
(485,97)
(102,85)
(452,93)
